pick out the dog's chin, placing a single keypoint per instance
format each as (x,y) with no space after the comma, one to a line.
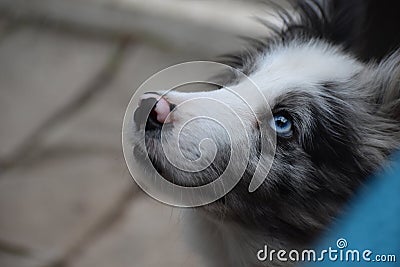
(217,211)
(151,153)
(168,171)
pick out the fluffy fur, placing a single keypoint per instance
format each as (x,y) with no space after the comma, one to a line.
(345,110)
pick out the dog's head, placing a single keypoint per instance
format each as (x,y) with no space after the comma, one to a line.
(323,122)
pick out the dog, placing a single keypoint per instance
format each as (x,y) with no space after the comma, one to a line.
(327,118)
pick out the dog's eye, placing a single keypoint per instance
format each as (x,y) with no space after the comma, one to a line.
(282,125)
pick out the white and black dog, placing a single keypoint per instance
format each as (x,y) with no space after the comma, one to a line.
(331,78)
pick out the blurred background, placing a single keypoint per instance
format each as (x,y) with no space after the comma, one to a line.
(67,71)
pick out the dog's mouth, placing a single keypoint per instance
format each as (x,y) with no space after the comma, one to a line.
(174,174)
(216,210)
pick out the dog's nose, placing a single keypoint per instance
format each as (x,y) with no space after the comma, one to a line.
(153,111)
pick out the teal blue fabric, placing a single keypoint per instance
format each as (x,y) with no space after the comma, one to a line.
(371,223)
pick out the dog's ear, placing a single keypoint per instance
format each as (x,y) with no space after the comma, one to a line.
(384,83)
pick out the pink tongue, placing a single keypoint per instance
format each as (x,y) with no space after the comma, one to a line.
(162,109)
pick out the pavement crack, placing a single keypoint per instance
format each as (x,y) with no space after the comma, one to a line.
(14,249)
(103,225)
(30,147)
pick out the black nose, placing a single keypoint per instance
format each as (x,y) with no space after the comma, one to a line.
(146,115)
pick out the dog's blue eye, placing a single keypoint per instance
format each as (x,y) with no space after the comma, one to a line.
(282,125)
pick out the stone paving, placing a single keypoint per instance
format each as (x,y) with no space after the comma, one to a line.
(67,72)
(66,197)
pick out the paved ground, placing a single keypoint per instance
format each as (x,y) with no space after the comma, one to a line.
(66,197)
